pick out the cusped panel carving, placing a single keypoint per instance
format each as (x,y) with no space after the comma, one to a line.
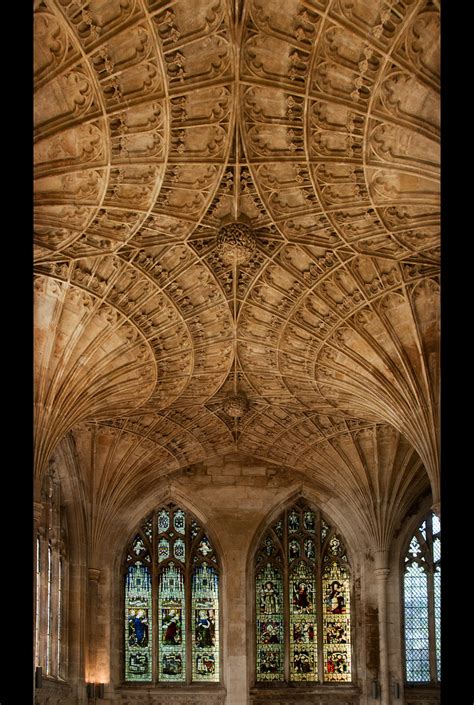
(377,472)
(384,361)
(89,362)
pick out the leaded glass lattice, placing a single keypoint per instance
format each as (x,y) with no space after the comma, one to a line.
(296,616)
(422,603)
(416,624)
(179,596)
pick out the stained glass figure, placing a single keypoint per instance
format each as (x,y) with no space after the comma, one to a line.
(195,529)
(269,611)
(138,546)
(422,603)
(205,611)
(180,580)
(171,618)
(302,580)
(293,522)
(336,616)
(309,549)
(269,546)
(138,624)
(278,529)
(303,652)
(309,521)
(293,549)
(204,547)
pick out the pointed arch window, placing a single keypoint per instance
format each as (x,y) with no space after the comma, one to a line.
(171,588)
(422,603)
(302,601)
(51,581)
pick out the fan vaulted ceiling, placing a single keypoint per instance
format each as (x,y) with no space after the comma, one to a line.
(316,119)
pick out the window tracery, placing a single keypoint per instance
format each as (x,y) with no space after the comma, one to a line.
(422,603)
(171,601)
(302,601)
(51,581)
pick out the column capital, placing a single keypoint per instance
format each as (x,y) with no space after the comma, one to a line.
(382,573)
(436,508)
(94,574)
(37,512)
(381,560)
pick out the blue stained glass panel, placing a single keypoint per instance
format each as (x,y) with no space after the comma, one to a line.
(138,624)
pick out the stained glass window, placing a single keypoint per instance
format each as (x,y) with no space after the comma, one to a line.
(302,601)
(422,603)
(51,580)
(179,593)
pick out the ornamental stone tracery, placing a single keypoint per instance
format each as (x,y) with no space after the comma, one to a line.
(336,106)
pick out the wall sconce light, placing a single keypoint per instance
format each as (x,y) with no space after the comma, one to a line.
(375,691)
(396,690)
(38,677)
(90,687)
(99,691)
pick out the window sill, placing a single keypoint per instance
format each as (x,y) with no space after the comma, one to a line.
(346,693)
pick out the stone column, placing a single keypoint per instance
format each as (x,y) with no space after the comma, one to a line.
(92,598)
(381,574)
